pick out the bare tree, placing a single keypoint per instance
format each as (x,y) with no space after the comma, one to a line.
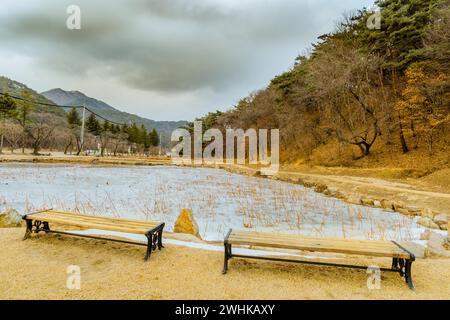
(39,132)
(13,135)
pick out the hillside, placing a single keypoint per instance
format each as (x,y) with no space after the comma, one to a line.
(63,97)
(56,115)
(363,97)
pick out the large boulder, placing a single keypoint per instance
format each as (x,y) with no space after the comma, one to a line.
(185,223)
(10,218)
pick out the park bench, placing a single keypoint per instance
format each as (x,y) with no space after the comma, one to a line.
(40,221)
(401,258)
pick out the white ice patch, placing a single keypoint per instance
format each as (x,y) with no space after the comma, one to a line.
(219,200)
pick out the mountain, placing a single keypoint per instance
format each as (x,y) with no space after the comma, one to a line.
(63,97)
(55,115)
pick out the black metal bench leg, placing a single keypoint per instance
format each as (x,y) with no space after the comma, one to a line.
(227,256)
(150,244)
(160,245)
(401,263)
(408,277)
(394,263)
(46,227)
(29,228)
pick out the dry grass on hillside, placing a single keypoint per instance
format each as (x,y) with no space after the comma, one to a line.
(414,164)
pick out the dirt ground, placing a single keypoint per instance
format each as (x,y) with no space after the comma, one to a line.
(36,269)
(420,193)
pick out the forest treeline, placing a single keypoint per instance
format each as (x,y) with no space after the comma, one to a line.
(361,91)
(23,126)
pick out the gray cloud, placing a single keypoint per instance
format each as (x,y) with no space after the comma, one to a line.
(170,46)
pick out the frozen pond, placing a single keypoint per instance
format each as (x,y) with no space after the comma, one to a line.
(218,199)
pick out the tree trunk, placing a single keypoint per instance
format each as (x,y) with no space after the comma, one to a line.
(430,142)
(36,148)
(405,148)
(78,146)
(68,146)
(2,135)
(23,141)
(416,139)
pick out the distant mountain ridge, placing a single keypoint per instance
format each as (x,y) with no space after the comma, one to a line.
(63,97)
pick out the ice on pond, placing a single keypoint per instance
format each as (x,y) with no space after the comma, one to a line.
(219,200)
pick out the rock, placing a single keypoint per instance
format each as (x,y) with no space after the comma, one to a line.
(185,223)
(397,206)
(436,245)
(353,199)
(10,219)
(403,211)
(367,202)
(427,222)
(308,184)
(320,188)
(443,227)
(414,211)
(428,213)
(183,237)
(377,203)
(387,204)
(441,218)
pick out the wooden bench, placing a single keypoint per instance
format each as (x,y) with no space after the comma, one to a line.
(40,221)
(401,258)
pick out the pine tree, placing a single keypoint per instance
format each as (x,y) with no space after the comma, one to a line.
(7,110)
(400,39)
(154,137)
(92,125)
(23,114)
(106,126)
(73,118)
(133,133)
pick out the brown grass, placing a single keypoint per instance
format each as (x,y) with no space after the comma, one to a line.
(36,269)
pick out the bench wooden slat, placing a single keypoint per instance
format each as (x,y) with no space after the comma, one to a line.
(343,242)
(100,218)
(93,223)
(345,246)
(296,236)
(313,241)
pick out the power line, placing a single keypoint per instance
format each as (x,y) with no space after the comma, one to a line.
(63,106)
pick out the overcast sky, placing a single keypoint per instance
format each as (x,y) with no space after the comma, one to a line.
(161,59)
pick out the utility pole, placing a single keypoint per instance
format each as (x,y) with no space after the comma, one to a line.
(82,127)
